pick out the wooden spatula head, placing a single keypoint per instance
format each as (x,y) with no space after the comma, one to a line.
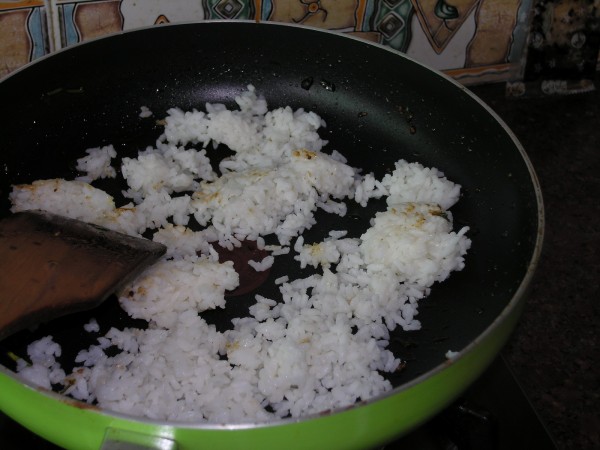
(52,265)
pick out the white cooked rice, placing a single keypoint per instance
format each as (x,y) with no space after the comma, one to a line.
(97,164)
(265,264)
(92,326)
(322,344)
(145,112)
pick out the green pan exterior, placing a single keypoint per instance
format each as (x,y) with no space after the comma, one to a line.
(73,425)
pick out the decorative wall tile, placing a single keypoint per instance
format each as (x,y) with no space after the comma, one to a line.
(83,20)
(23,34)
(475,41)
(229,9)
(329,14)
(441,20)
(390,20)
(142,13)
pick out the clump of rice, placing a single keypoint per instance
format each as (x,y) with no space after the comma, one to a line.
(173,286)
(321,344)
(262,265)
(92,326)
(97,164)
(416,241)
(75,199)
(44,370)
(145,112)
(409,182)
(280,200)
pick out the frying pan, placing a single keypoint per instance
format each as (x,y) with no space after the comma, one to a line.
(380,106)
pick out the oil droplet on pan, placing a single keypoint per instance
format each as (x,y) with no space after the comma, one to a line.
(328,85)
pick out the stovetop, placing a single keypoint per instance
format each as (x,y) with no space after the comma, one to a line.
(493,414)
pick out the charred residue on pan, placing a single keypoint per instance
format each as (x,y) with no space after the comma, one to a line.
(65,90)
(250,279)
(79,404)
(401,366)
(408,118)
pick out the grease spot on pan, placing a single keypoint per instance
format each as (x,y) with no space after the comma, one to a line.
(250,279)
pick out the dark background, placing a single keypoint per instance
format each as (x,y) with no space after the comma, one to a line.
(554,350)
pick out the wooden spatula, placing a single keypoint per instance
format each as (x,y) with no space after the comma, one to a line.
(52,266)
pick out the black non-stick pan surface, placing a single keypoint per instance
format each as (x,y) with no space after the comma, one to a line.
(379,107)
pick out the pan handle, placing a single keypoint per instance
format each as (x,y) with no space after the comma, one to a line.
(116,439)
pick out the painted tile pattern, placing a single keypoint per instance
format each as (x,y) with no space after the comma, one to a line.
(80,21)
(23,34)
(474,41)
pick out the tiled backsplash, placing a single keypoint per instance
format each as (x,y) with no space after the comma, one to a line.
(475,41)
